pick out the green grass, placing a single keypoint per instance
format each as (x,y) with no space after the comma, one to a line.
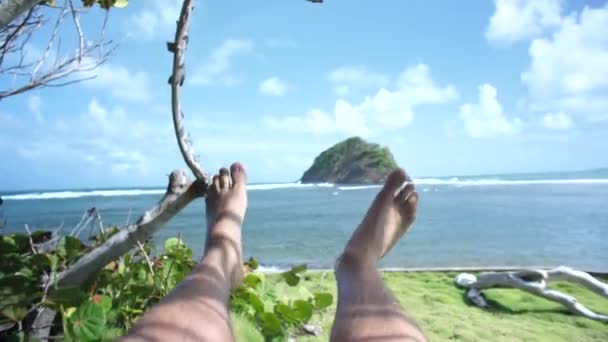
(440,309)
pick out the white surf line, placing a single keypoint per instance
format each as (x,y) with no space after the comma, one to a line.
(464,269)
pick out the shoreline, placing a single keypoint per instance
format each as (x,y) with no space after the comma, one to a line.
(271,269)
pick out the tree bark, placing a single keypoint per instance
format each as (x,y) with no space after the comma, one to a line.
(535,282)
(176,80)
(11,9)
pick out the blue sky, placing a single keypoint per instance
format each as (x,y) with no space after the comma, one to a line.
(451,87)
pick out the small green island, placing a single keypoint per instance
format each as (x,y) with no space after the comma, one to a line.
(352,161)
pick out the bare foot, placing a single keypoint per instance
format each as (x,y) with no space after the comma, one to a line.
(389,217)
(226,203)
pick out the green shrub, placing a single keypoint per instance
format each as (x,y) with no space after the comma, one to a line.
(112,301)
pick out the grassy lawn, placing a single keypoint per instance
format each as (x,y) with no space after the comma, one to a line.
(439,308)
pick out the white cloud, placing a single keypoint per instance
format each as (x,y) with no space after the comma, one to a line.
(315,121)
(217,69)
(273,87)
(156,20)
(98,137)
(516,20)
(121,83)
(345,119)
(345,78)
(33,104)
(568,69)
(558,121)
(385,110)
(486,119)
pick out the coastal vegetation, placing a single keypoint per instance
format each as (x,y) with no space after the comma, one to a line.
(352,161)
(295,303)
(117,295)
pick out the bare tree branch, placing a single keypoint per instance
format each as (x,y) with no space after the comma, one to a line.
(148,261)
(78,30)
(535,282)
(29,235)
(54,68)
(180,192)
(178,48)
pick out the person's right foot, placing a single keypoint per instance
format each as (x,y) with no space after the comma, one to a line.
(389,217)
(226,203)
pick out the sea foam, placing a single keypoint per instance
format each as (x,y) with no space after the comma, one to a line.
(487,182)
(297,185)
(140,192)
(77,194)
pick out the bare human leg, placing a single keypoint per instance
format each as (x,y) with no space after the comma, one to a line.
(197,310)
(367,311)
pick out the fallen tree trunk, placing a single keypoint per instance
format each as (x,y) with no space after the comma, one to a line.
(180,192)
(535,282)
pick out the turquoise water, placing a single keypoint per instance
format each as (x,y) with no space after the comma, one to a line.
(498,220)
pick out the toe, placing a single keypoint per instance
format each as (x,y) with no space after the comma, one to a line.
(215,185)
(394,181)
(224,179)
(408,200)
(239,176)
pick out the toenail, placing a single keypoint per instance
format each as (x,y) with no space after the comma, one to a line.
(402,187)
(412,197)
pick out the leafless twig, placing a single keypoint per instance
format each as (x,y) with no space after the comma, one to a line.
(128,217)
(29,235)
(78,30)
(54,67)
(176,80)
(143,251)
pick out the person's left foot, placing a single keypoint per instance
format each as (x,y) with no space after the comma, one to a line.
(389,217)
(226,203)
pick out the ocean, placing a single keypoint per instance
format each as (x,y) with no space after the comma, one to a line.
(477,221)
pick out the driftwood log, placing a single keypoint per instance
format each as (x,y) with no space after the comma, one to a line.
(535,282)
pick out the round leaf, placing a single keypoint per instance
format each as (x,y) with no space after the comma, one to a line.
(88,322)
(284,311)
(171,244)
(291,278)
(256,302)
(252,264)
(302,310)
(323,300)
(271,324)
(14,312)
(251,280)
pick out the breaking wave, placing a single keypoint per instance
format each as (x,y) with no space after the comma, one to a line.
(485,182)
(288,186)
(77,194)
(261,187)
(358,187)
(140,192)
